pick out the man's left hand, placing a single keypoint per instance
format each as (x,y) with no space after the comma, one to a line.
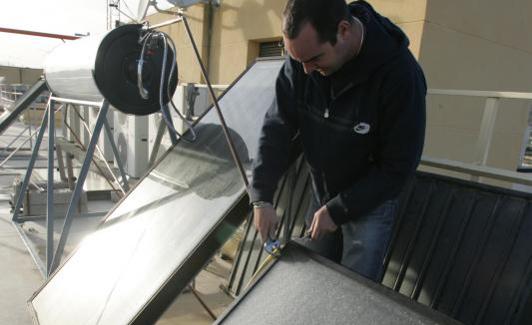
(322,223)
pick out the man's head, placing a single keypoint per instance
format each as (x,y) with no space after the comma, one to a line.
(319,34)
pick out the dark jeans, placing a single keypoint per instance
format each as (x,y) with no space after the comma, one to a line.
(359,245)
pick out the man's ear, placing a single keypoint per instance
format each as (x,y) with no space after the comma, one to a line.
(344,28)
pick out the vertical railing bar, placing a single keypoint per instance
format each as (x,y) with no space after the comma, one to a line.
(485,136)
(435,238)
(241,281)
(482,243)
(526,292)
(246,264)
(452,257)
(240,252)
(299,206)
(413,240)
(500,267)
(398,224)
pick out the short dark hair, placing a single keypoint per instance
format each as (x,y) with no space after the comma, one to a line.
(323,15)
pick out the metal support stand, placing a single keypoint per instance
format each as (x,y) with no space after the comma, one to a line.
(60,163)
(157,144)
(31,164)
(109,133)
(50,190)
(166,111)
(79,185)
(53,259)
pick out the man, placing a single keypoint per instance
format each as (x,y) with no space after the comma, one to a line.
(354,94)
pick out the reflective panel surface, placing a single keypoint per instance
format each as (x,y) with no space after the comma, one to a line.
(118,272)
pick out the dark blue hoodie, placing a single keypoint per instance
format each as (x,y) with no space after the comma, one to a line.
(362,128)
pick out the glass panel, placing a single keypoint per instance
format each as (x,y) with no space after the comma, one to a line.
(117,271)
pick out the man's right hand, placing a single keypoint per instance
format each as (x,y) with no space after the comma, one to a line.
(266,221)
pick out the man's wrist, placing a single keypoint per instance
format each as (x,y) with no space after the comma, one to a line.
(261,204)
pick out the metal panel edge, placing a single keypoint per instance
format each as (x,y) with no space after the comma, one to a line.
(192,265)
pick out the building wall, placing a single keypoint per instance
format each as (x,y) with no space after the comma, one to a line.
(14,75)
(239,26)
(189,70)
(480,45)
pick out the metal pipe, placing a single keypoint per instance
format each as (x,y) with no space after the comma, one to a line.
(216,105)
(50,192)
(31,249)
(39,34)
(76,101)
(166,23)
(60,163)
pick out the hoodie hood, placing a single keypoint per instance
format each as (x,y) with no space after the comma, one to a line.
(383,41)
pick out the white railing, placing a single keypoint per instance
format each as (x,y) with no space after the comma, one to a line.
(479,168)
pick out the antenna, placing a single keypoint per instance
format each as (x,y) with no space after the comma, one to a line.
(113,13)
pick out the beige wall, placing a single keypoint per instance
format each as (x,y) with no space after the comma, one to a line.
(20,75)
(189,70)
(238,27)
(479,46)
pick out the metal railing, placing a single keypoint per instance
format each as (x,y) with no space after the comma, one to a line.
(479,167)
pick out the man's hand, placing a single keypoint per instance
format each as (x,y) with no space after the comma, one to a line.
(322,224)
(265,220)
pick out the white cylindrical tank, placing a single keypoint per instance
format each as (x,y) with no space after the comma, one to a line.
(105,67)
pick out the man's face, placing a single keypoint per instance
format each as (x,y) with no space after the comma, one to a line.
(314,55)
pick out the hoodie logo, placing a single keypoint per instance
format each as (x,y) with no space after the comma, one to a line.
(362,128)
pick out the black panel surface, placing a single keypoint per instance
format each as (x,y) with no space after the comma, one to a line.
(464,249)
(303,288)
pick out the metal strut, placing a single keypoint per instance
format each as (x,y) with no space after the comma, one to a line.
(228,138)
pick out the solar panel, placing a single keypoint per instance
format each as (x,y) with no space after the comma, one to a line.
(304,288)
(161,234)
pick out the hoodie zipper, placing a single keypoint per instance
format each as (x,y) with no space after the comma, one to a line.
(326,115)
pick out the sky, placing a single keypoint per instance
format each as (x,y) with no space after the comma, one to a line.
(49,16)
(66,17)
